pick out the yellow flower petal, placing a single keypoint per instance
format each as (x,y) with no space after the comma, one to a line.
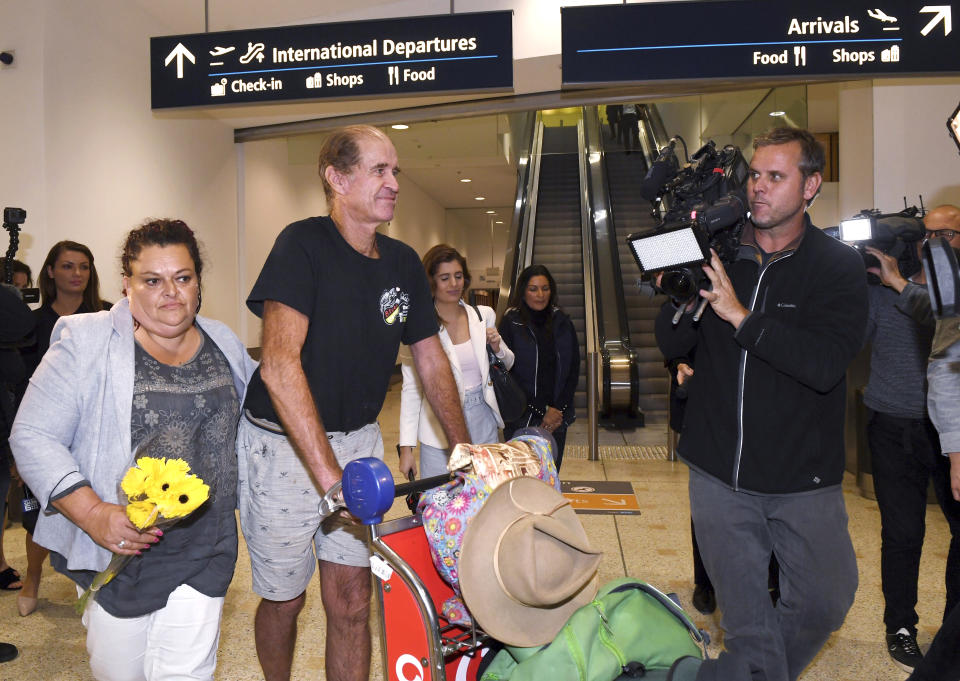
(182,497)
(134,483)
(176,468)
(141,514)
(173,472)
(151,466)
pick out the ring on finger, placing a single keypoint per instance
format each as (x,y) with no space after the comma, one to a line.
(121,543)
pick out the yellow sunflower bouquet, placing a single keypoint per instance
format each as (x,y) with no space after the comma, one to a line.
(159,492)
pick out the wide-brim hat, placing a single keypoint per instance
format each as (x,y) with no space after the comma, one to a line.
(526,564)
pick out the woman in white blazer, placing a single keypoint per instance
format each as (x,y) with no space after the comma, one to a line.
(465,332)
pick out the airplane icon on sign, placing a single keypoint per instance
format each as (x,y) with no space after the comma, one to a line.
(879,15)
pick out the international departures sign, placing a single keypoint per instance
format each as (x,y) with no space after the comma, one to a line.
(755,39)
(418,55)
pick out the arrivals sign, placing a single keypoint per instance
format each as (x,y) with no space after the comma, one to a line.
(754,39)
(410,56)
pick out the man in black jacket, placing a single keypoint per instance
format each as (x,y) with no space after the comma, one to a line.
(763,431)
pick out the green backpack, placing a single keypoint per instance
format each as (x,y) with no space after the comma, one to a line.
(629,631)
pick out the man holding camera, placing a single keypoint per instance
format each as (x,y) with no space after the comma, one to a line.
(763,428)
(903,442)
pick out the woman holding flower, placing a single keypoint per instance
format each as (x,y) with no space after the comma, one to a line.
(153,377)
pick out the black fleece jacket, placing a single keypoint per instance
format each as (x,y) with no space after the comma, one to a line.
(521,338)
(766,404)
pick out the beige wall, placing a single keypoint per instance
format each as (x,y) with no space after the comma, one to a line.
(93,160)
(894,144)
(22,180)
(913,152)
(856,148)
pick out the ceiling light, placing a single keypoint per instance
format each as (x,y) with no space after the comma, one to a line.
(465,179)
(479,198)
(778,113)
(400,126)
(498,222)
(491,212)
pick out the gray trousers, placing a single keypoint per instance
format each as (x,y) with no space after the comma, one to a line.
(808,533)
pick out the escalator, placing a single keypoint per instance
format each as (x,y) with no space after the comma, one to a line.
(572,215)
(630,213)
(557,241)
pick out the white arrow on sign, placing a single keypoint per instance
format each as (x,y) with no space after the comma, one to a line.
(940,13)
(179,52)
(615,502)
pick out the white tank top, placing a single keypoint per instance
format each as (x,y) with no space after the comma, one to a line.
(468,365)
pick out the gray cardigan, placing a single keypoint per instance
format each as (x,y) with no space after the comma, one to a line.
(74,422)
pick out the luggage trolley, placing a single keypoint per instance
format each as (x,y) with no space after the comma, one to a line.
(414,644)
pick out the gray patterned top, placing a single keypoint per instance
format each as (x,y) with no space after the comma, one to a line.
(189,412)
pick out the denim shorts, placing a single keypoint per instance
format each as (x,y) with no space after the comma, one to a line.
(481,424)
(279,510)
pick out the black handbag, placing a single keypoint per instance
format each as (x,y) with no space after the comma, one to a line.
(511,399)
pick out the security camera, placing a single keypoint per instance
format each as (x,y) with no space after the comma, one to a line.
(6,58)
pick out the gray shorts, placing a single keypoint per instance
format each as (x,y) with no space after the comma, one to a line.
(279,510)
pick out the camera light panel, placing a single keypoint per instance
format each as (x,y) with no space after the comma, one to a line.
(667,249)
(856,229)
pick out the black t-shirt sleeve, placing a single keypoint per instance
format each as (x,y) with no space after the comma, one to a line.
(287,275)
(422,320)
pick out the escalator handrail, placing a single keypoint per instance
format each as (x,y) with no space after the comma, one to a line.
(613,327)
(591,328)
(520,238)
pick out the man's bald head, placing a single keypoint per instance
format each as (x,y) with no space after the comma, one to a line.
(945,217)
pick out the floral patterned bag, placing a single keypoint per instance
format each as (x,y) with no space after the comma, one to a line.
(447,510)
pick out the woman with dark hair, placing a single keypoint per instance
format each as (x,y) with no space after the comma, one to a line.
(147,373)
(466,331)
(69,285)
(547,355)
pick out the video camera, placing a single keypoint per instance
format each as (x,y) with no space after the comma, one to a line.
(707,208)
(895,234)
(12,219)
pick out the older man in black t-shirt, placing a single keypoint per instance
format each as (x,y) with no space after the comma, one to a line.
(336,299)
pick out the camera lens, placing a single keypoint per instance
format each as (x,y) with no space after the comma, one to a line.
(681,283)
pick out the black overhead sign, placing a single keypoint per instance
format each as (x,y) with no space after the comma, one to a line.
(756,39)
(443,53)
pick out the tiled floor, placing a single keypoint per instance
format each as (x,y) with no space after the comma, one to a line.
(654,545)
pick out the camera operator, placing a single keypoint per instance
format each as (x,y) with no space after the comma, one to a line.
(942,661)
(903,442)
(763,427)
(17,323)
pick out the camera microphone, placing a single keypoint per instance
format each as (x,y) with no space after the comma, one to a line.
(660,172)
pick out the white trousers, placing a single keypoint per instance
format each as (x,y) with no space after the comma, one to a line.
(176,643)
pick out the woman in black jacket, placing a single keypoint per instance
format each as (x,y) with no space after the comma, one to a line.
(547,355)
(69,284)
